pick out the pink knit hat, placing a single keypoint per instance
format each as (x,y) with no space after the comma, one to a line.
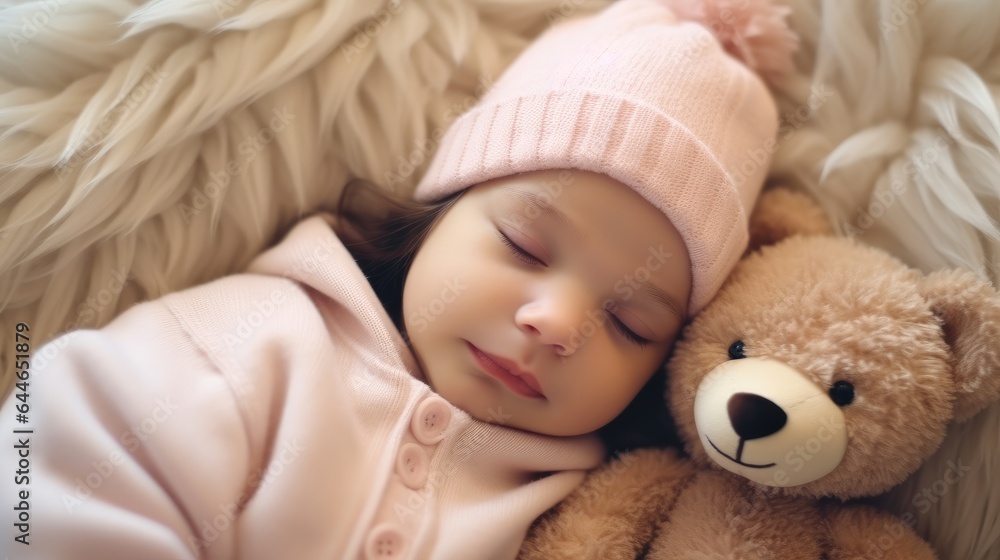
(653,101)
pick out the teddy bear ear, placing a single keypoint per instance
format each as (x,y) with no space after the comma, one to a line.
(780,213)
(969,311)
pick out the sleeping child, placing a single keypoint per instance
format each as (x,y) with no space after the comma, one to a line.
(423,378)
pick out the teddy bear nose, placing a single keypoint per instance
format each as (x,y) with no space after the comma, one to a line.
(753,416)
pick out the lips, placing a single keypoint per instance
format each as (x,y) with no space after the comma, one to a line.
(518,381)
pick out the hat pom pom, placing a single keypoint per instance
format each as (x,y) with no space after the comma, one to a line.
(753,31)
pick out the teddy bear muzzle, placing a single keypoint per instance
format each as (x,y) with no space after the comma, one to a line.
(766,421)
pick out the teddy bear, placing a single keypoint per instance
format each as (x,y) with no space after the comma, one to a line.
(823,372)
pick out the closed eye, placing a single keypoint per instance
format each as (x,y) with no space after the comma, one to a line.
(627,332)
(519,253)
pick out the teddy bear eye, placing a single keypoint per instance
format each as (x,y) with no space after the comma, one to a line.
(736,350)
(842,393)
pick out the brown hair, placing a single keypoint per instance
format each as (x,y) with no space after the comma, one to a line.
(383,231)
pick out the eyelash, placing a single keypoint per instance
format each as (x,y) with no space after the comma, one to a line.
(627,333)
(526,257)
(519,253)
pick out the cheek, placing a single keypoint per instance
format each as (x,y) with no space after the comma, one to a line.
(450,286)
(602,394)
(614,379)
(618,376)
(428,290)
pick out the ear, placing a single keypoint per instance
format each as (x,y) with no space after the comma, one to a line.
(969,310)
(781,213)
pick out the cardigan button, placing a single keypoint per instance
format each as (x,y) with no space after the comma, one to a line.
(430,420)
(385,542)
(412,465)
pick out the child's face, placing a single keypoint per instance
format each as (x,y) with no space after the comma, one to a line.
(554,311)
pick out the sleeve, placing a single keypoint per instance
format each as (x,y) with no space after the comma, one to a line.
(137,447)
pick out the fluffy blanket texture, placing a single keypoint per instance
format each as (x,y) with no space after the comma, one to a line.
(148,147)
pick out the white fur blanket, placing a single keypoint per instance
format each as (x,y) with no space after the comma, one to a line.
(148,147)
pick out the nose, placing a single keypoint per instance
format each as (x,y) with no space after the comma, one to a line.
(753,416)
(554,320)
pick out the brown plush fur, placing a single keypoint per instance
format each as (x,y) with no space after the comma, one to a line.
(783,214)
(919,352)
(613,515)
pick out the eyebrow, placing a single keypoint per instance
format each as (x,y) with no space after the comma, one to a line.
(663,298)
(544,207)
